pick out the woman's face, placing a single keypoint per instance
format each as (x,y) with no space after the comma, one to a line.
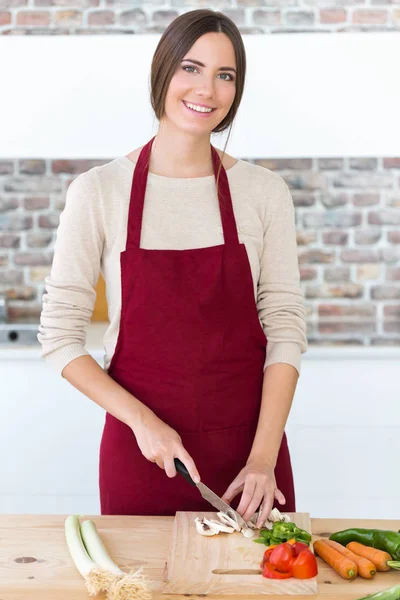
(211,84)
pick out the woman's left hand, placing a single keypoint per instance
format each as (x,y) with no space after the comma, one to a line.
(257,480)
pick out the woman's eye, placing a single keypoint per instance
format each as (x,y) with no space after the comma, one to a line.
(231,78)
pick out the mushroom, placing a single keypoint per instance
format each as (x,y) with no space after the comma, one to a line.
(218,525)
(228,524)
(205,529)
(228,521)
(248,533)
(274,515)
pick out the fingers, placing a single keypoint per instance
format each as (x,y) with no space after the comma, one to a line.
(267,505)
(189,464)
(169,466)
(251,498)
(166,462)
(266,508)
(233,490)
(280,497)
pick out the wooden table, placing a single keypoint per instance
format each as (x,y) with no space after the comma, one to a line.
(35,563)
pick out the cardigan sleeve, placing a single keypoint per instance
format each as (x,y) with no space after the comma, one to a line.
(280,301)
(69,296)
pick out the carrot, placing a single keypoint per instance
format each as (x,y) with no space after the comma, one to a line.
(345,567)
(365,567)
(378,557)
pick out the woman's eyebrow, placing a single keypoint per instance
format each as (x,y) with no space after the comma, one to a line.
(197,62)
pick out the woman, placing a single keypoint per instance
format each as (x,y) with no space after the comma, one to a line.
(198,252)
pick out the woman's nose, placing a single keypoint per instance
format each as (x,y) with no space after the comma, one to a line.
(206,89)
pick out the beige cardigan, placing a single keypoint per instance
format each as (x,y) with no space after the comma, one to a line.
(179,213)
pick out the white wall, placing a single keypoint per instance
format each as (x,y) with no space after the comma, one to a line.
(343,434)
(311,94)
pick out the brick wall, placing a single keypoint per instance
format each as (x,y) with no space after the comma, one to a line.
(348,224)
(347,209)
(58,17)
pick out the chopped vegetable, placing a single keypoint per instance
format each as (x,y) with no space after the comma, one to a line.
(378,557)
(366,568)
(305,565)
(289,560)
(272,572)
(283,532)
(345,567)
(282,557)
(392,593)
(299,547)
(386,540)
(226,524)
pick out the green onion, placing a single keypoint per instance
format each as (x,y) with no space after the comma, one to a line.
(96,579)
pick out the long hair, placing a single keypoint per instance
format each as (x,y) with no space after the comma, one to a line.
(176,41)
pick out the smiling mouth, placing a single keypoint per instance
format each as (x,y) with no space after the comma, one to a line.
(204,112)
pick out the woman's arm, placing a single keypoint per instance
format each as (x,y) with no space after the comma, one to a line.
(280,301)
(282,313)
(279,386)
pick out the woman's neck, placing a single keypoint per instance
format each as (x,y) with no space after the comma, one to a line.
(177,154)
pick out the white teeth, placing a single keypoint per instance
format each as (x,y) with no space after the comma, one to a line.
(198,108)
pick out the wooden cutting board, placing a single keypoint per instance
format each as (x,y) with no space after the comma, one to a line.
(227,563)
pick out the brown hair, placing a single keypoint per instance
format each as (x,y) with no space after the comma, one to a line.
(175,42)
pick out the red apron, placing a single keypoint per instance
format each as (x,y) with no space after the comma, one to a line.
(192,349)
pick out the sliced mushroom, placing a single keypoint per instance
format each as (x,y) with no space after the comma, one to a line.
(228,521)
(204,528)
(275,515)
(248,533)
(220,526)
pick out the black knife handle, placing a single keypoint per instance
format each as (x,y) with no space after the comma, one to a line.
(182,470)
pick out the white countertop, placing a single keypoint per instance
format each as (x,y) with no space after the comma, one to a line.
(96,331)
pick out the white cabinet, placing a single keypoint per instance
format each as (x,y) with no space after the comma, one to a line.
(344,433)
(49,439)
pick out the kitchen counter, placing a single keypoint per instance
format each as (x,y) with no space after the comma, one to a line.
(35,563)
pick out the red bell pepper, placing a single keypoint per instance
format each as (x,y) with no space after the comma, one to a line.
(272,572)
(304,565)
(282,557)
(289,560)
(298,547)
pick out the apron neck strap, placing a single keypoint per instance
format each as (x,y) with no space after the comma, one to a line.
(138,191)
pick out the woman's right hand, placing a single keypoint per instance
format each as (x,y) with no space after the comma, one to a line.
(159,443)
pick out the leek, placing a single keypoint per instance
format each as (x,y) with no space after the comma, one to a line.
(122,586)
(96,549)
(96,579)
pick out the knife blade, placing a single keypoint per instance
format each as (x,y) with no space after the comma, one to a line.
(210,496)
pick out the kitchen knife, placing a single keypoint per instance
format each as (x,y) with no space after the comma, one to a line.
(209,495)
